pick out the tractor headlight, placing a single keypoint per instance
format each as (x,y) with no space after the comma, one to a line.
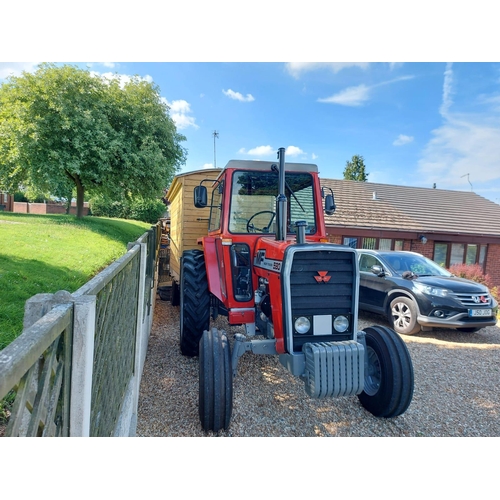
(341,324)
(302,325)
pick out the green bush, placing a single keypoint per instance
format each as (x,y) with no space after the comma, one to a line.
(102,207)
(147,210)
(20,197)
(137,209)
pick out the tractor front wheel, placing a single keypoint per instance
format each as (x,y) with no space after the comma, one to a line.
(194,301)
(389,378)
(216,381)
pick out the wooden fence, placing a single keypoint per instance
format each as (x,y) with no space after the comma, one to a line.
(76,368)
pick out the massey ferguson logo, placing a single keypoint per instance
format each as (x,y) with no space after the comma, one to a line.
(480,299)
(322,277)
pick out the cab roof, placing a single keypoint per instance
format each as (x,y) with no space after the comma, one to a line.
(266,165)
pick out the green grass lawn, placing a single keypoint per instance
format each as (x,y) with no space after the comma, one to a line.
(47,253)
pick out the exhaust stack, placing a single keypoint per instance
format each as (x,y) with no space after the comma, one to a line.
(281,201)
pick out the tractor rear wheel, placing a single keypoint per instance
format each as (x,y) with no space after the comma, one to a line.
(194,301)
(216,381)
(389,378)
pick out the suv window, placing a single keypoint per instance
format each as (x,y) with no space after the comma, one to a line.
(367,261)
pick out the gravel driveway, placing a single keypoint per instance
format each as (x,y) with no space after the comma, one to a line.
(457,390)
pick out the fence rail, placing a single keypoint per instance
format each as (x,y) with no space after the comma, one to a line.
(76,368)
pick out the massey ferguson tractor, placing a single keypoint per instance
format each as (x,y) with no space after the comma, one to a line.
(266,264)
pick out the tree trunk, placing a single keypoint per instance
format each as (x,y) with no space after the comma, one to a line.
(80,194)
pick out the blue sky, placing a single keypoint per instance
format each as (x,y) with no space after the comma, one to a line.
(415,124)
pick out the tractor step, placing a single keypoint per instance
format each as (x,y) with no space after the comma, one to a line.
(334,369)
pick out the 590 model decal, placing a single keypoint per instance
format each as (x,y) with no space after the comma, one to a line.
(269,264)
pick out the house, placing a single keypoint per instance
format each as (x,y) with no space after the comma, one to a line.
(6,201)
(446,226)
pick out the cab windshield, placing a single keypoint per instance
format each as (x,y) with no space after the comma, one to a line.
(253,201)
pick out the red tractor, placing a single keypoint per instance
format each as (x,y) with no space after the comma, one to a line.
(265,263)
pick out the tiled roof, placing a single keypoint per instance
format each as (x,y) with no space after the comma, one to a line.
(369,205)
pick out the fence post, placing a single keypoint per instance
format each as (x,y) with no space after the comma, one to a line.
(140,348)
(82,366)
(35,308)
(40,304)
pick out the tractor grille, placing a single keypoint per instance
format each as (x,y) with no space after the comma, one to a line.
(312,293)
(322,286)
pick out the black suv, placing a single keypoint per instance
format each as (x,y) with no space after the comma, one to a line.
(414,292)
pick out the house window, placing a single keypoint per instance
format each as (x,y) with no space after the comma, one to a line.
(351,242)
(384,244)
(482,255)
(447,254)
(457,253)
(471,254)
(370,243)
(440,253)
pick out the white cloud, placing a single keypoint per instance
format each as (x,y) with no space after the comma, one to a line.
(208,165)
(314,156)
(447,90)
(357,96)
(237,96)
(15,69)
(462,145)
(297,68)
(179,106)
(183,121)
(179,112)
(293,151)
(402,140)
(258,151)
(351,96)
(466,143)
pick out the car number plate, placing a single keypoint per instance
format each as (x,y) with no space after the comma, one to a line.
(473,313)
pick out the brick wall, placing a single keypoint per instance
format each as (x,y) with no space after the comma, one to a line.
(426,250)
(20,208)
(335,238)
(493,264)
(46,208)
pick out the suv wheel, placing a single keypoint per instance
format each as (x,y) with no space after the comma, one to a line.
(403,316)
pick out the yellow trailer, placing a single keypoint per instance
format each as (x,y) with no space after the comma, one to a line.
(187,223)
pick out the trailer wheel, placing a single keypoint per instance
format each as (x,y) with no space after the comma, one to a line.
(216,381)
(194,301)
(175,294)
(389,378)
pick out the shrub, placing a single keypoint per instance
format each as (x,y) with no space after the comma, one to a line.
(472,272)
(475,273)
(101,207)
(19,196)
(137,209)
(147,210)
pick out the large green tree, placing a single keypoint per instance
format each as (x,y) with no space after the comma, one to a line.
(355,169)
(64,124)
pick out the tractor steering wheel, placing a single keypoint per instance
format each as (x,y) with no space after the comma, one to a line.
(252,229)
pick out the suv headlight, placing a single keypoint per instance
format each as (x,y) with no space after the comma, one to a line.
(431,290)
